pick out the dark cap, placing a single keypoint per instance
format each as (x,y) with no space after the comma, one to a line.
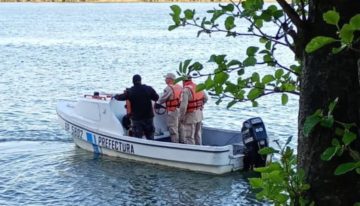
(136,79)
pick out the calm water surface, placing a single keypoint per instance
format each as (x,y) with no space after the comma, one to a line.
(62,51)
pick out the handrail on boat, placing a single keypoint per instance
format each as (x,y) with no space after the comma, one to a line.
(96,97)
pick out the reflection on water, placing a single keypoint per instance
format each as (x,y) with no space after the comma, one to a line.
(62,51)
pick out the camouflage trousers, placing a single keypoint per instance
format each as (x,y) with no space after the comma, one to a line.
(191,133)
(172,120)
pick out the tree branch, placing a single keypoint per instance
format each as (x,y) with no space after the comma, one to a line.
(295,18)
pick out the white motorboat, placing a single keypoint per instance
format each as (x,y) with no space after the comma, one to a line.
(95,123)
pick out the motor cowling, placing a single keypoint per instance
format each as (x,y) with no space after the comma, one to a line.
(254,138)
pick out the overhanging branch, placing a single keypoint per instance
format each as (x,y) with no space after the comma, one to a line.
(295,18)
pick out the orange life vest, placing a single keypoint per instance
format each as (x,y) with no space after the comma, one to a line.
(174,102)
(197,101)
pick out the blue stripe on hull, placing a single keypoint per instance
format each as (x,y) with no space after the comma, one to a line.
(90,138)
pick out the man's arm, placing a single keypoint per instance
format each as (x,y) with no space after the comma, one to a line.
(166,95)
(184,102)
(153,95)
(120,97)
(206,98)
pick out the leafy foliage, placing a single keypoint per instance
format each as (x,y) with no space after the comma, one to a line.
(245,87)
(345,34)
(340,143)
(280,182)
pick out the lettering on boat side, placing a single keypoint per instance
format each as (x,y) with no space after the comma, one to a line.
(76,132)
(115,145)
(67,126)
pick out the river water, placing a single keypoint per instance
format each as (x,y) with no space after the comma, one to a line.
(55,51)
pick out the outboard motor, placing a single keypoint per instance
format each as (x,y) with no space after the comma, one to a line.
(254,137)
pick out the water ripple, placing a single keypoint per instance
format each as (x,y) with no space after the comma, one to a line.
(62,51)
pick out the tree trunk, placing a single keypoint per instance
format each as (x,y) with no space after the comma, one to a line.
(324,78)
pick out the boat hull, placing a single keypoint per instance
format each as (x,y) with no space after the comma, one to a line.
(200,158)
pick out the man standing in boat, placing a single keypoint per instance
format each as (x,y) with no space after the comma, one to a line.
(191,114)
(171,98)
(142,115)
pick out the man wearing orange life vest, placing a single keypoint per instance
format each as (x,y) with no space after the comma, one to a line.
(191,114)
(171,98)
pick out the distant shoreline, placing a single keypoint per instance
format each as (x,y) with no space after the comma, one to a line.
(121,1)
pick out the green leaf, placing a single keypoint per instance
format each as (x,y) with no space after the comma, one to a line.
(259,23)
(176,9)
(250,51)
(230,104)
(268,45)
(289,87)
(266,15)
(284,99)
(310,123)
(181,68)
(327,121)
(250,61)
(254,103)
(268,59)
(218,89)
(255,77)
(331,17)
(185,66)
(335,142)
(216,15)
(357,203)
(354,154)
(209,83)
(358,171)
(347,33)
(267,79)
(348,137)
(288,140)
(218,59)
(229,7)
(318,42)
(233,63)
(176,19)
(189,14)
(296,68)
(344,168)
(241,72)
(329,153)
(196,66)
(267,150)
(253,5)
(355,22)
(172,27)
(332,105)
(277,14)
(179,79)
(337,50)
(200,87)
(279,73)
(229,23)
(218,101)
(221,77)
(256,182)
(254,93)
(263,40)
